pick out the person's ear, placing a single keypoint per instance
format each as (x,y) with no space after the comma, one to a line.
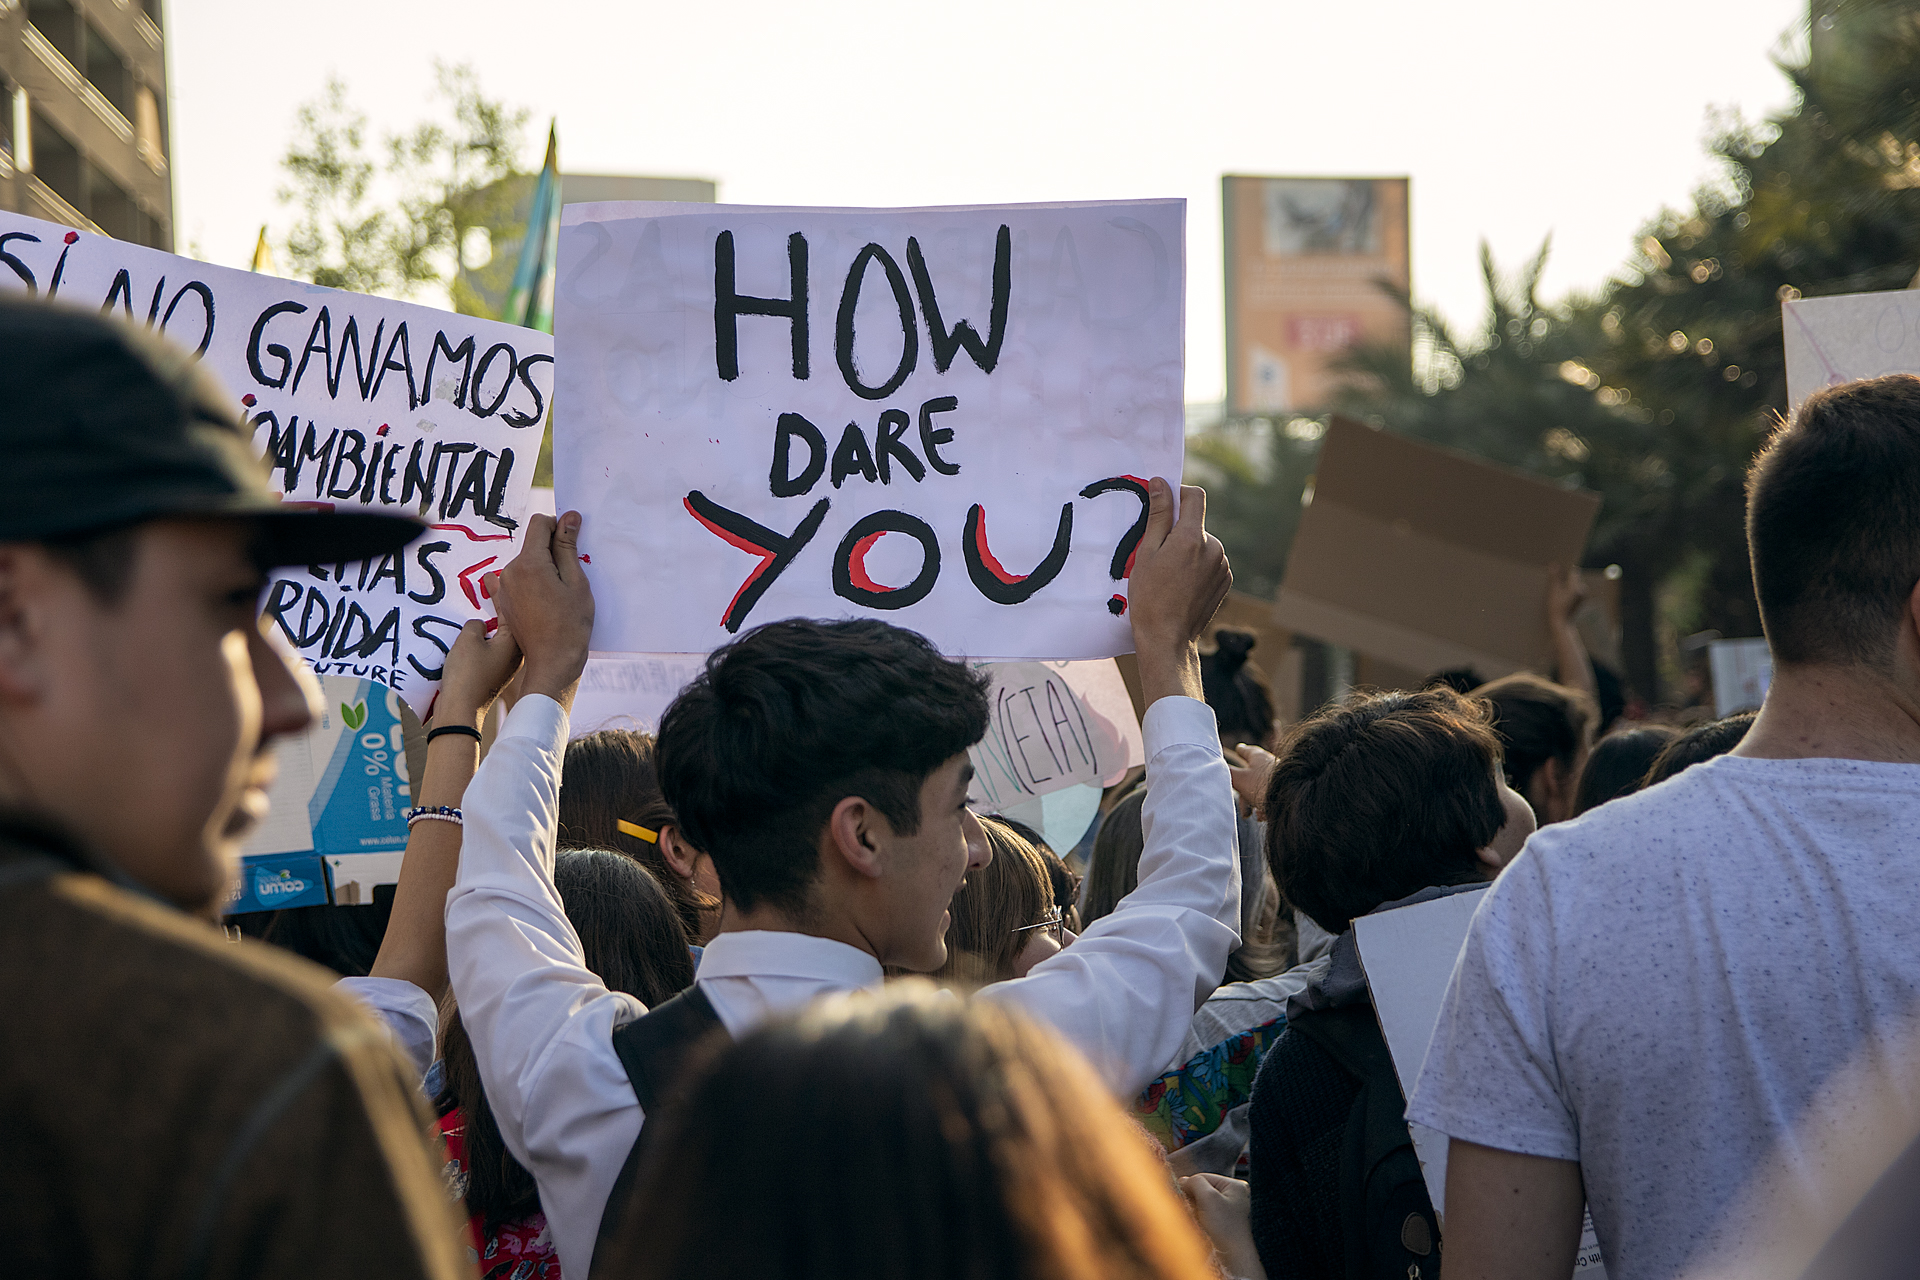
(855,832)
(23,673)
(680,855)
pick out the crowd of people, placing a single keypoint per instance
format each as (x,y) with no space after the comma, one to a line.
(761,995)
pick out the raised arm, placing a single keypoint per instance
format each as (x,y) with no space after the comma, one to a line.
(1565,594)
(409,975)
(540,1021)
(1126,990)
(415,947)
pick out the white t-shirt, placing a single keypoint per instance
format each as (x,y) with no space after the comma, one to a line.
(1660,988)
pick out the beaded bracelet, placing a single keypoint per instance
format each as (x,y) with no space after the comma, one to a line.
(437,813)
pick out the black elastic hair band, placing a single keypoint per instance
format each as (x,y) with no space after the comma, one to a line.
(462,729)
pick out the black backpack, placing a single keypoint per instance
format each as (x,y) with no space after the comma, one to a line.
(654,1049)
(1387,1221)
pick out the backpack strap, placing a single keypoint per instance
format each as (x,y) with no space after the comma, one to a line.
(1373,1197)
(654,1049)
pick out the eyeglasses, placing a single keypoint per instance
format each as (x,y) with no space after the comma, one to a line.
(1055,924)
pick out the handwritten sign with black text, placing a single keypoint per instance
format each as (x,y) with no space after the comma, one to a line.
(942,418)
(354,401)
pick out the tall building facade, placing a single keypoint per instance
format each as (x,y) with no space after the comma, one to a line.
(83,116)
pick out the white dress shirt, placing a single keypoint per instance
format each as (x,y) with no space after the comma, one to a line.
(409,1013)
(542,1023)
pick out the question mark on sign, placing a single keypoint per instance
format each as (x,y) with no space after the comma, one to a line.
(1123,552)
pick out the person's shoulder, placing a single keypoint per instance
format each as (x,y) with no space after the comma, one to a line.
(89,937)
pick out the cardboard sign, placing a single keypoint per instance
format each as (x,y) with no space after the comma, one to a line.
(354,401)
(1054,725)
(1429,559)
(941,418)
(1847,337)
(1408,955)
(342,792)
(1742,672)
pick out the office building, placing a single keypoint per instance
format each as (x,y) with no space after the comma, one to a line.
(83,116)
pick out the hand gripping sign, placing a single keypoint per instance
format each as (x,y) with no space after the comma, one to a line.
(354,401)
(938,417)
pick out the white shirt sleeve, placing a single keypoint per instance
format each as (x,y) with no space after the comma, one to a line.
(541,1022)
(1491,1074)
(412,1018)
(1125,992)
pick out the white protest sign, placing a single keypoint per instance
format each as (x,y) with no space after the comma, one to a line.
(941,418)
(1053,725)
(1742,672)
(356,402)
(629,690)
(1408,955)
(1849,336)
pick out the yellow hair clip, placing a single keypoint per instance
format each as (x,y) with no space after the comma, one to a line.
(637,831)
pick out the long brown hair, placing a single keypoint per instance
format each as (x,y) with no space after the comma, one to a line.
(631,936)
(1011,891)
(608,778)
(902,1133)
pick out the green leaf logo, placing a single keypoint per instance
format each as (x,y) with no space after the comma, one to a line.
(353,716)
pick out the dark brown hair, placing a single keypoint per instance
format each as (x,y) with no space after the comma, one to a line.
(902,1134)
(631,936)
(1617,765)
(1011,891)
(1833,522)
(1537,721)
(609,777)
(1113,870)
(1235,688)
(1379,797)
(1702,742)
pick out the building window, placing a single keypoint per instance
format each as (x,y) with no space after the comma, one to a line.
(104,67)
(56,162)
(152,8)
(60,24)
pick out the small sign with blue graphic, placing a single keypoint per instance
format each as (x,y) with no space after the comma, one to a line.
(274,880)
(342,791)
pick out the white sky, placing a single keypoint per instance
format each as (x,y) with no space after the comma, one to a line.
(1514,118)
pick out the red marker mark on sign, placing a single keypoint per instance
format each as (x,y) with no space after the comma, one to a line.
(249,400)
(857,564)
(585,558)
(1117,605)
(476,537)
(475,592)
(382,431)
(773,551)
(72,236)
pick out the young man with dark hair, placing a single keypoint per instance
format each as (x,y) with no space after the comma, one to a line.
(170,1103)
(823,767)
(1388,799)
(1625,1023)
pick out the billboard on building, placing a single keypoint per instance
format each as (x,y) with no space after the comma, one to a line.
(1305,261)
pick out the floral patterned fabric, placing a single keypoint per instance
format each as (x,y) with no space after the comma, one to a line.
(520,1250)
(1189,1102)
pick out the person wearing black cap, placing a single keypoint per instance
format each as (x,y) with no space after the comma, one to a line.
(169,1103)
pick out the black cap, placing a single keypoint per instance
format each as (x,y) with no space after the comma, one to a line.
(103,424)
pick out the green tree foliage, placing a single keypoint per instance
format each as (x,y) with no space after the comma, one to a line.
(1657,390)
(391,219)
